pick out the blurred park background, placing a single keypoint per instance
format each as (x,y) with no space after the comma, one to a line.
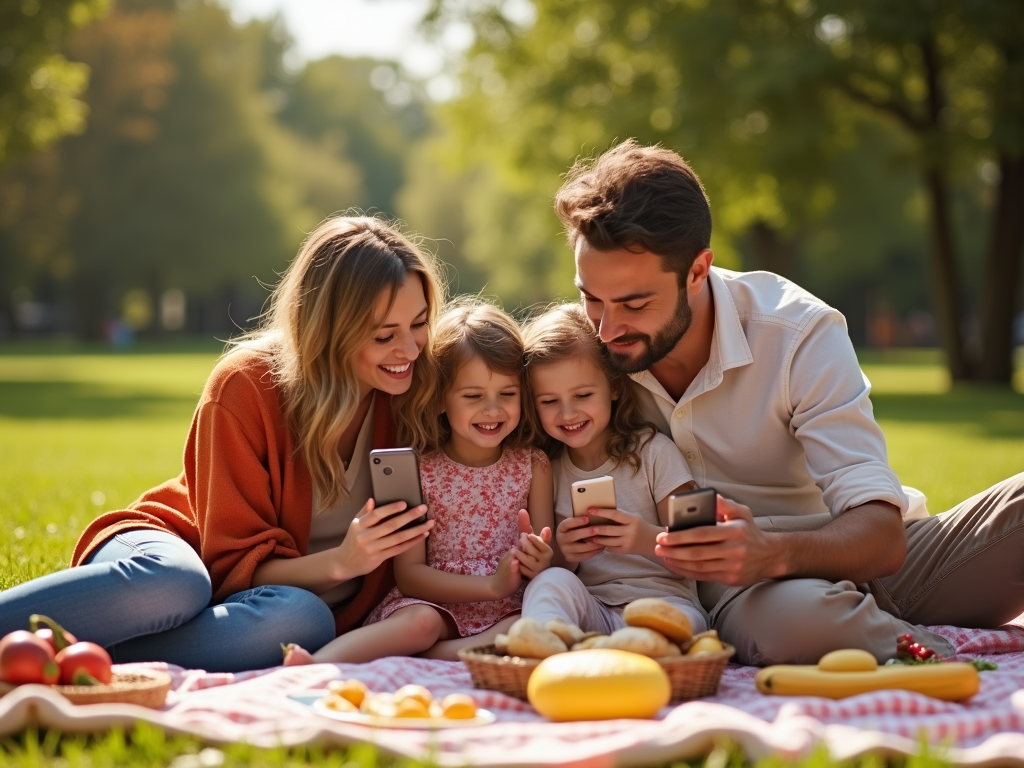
(161,160)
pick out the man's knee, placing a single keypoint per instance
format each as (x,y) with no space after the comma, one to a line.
(797,621)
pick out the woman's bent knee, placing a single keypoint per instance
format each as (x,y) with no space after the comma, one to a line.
(286,614)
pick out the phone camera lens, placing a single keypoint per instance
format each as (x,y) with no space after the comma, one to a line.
(376,460)
(581,490)
(388,470)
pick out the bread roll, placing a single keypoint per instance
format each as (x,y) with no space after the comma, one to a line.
(529,638)
(567,633)
(661,616)
(640,640)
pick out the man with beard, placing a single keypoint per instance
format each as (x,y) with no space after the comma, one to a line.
(817,546)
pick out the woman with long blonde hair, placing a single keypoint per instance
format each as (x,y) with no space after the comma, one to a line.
(270,533)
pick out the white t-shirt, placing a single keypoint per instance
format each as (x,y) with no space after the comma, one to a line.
(617,579)
(779,419)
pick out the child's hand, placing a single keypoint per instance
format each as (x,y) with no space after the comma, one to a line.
(534,553)
(632,536)
(574,540)
(507,578)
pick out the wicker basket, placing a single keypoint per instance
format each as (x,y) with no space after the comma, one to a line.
(147,689)
(692,677)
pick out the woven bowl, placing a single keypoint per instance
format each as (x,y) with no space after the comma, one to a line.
(146,688)
(692,677)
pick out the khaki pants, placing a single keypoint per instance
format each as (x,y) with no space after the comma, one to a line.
(964,567)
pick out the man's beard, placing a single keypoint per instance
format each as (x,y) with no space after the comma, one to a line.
(655,349)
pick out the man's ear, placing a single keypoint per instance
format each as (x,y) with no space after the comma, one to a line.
(699,271)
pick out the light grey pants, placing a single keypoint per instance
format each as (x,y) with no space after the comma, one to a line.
(964,567)
(557,593)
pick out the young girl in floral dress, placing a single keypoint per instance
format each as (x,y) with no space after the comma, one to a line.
(487,491)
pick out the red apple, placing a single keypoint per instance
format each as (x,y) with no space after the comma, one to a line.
(84,664)
(27,658)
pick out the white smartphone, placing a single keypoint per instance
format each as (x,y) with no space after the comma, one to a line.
(597,492)
(693,508)
(395,476)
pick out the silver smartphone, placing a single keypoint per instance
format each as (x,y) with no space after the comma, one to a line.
(693,508)
(597,492)
(395,475)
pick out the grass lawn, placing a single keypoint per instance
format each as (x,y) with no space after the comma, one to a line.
(83,432)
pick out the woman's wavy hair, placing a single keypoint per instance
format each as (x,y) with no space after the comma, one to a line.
(471,328)
(322,312)
(564,332)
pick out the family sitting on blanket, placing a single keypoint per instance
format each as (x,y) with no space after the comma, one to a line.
(269,535)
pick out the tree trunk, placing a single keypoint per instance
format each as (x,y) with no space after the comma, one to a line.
(771,252)
(89,297)
(1002,274)
(945,277)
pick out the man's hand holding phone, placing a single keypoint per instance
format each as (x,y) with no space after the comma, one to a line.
(734,552)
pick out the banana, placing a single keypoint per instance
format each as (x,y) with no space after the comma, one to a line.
(950,681)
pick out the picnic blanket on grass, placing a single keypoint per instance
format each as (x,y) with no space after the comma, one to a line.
(261,708)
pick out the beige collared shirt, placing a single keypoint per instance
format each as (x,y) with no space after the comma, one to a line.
(779,419)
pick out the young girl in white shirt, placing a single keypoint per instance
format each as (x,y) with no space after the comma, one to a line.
(593,427)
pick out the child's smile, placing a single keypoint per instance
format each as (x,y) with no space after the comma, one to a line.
(483,408)
(574,404)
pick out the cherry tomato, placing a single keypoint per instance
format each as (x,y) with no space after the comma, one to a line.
(84,663)
(27,658)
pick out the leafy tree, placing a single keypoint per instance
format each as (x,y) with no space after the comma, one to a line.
(360,109)
(184,179)
(769,98)
(39,87)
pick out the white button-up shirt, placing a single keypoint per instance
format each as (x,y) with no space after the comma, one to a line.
(779,419)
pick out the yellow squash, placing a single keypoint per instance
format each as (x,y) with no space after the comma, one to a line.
(847,673)
(598,684)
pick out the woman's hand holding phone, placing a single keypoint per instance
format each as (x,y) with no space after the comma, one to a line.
(378,534)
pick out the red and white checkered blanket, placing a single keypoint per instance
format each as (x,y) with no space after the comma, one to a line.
(259,707)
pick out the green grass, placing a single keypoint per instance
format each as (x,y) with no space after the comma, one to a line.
(83,431)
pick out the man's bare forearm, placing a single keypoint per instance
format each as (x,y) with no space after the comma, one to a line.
(863,543)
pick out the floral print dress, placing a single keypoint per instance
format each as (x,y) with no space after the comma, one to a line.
(475,511)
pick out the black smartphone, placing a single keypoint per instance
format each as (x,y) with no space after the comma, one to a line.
(395,475)
(693,508)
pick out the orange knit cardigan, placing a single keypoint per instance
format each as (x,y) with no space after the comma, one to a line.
(245,494)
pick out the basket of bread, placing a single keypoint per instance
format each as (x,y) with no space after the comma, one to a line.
(655,628)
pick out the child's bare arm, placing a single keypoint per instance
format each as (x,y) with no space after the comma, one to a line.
(535,547)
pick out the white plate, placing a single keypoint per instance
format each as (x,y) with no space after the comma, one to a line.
(483,717)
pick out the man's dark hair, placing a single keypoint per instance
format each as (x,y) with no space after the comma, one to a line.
(640,199)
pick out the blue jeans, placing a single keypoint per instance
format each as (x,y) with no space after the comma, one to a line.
(144,595)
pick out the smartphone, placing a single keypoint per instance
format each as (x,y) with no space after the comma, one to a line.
(597,492)
(693,508)
(395,475)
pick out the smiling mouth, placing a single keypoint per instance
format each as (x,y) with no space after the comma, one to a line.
(489,427)
(397,371)
(570,428)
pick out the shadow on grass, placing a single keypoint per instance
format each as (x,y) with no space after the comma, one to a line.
(74,400)
(993,412)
